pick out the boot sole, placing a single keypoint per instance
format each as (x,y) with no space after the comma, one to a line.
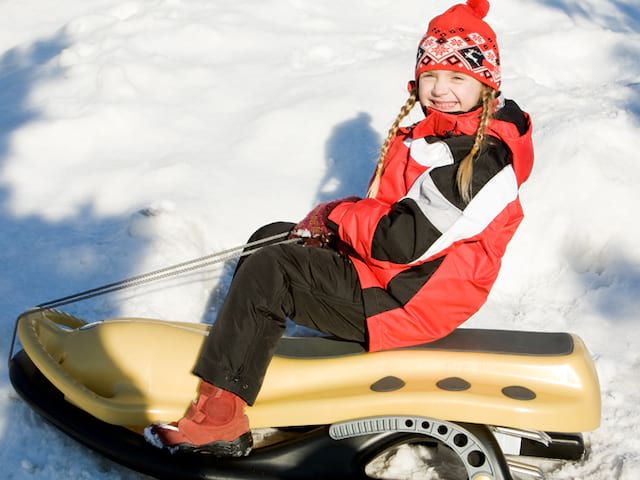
(240,447)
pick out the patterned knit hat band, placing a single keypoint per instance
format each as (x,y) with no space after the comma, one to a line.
(461,41)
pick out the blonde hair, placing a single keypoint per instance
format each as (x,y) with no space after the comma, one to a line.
(464,176)
(404,111)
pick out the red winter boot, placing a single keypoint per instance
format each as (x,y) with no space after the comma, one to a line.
(214,424)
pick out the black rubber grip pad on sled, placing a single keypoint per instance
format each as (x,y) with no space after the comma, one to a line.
(508,342)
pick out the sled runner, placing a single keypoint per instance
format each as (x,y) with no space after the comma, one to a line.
(326,408)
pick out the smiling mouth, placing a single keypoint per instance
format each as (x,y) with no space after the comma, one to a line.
(444,105)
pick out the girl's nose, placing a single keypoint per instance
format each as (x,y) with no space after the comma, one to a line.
(439,87)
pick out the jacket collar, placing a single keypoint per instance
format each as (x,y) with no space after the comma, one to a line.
(446,124)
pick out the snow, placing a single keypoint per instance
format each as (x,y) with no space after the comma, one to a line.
(137,134)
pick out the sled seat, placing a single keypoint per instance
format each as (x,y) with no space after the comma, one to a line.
(508,342)
(133,371)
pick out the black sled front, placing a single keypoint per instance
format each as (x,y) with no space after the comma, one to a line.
(327,407)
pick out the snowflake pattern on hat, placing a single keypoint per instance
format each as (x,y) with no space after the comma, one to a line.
(460,40)
(470,53)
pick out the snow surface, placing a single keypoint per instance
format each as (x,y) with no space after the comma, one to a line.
(138,134)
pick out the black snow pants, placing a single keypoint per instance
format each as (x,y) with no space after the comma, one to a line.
(315,287)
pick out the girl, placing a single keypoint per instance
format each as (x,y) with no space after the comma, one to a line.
(405,265)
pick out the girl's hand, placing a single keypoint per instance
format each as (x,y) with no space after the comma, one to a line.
(313,229)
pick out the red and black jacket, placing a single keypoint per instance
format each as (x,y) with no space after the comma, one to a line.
(426,260)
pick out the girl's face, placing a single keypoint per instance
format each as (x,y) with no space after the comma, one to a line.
(449,91)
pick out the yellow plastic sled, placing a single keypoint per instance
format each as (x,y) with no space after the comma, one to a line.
(334,406)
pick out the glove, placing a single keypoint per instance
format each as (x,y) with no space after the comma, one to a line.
(314,229)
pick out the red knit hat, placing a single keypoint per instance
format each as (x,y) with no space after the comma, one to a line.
(461,41)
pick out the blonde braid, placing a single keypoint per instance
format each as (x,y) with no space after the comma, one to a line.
(464,176)
(404,111)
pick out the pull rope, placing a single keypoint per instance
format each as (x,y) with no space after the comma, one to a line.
(170,271)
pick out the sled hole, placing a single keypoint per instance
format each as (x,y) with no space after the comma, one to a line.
(426,460)
(517,392)
(388,384)
(460,440)
(476,458)
(453,384)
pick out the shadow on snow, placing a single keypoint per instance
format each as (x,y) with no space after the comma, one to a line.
(617,15)
(41,259)
(622,16)
(614,282)
(350,154)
